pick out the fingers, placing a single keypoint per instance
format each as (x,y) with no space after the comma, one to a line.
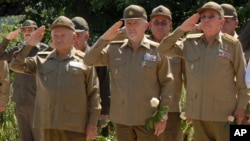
(159,127)
(190,23)
(112,32)
(13,34)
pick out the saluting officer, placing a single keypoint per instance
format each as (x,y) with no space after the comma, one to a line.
(138,73)
(67,104)
(215,70)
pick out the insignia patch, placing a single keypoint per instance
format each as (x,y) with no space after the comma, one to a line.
(130,13)
(224,54)
(149,57)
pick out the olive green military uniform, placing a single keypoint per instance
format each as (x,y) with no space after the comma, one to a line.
(173,130)
(67,99)
(211,73)
(5,83)
(24,93)
(136,77)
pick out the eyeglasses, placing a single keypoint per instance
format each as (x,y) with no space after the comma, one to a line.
(155,23)
(210,16)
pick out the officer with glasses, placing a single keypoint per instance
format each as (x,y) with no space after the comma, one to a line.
(231,20)
(215,71)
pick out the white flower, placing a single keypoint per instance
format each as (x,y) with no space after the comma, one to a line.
(154,102)
(230,118)
(183,116)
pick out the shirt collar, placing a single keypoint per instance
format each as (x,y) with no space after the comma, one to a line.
(144,43)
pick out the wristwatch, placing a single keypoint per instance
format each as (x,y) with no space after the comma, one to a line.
(165,117)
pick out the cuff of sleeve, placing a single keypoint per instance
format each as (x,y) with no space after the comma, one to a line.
(243,98)
(25,50)
(93,118)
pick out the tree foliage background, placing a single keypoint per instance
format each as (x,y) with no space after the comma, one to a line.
(101,14)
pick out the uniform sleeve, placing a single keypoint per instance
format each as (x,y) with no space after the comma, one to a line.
(21,64)
(94,106)
(165,77)
(240,73)
(3,45)
(5,83)
(170,46)
(97,55)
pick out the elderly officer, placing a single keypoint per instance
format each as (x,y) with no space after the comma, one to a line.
(5,84)
(67,102)
(231,20)
(137,74)
(215,70)
(81,43)
(160,25)
(23,93)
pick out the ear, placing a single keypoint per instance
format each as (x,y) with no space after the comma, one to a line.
(86,36)
(147,25)
(222,21)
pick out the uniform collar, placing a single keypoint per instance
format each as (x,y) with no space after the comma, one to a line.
(144,43)
(54,54)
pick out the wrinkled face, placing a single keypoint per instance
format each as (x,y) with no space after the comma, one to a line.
(160,26)
(230,25)
(80,42)
(135,29)
(27,32)
(211,22)
(62,38)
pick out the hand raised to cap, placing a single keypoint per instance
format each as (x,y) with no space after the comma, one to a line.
(190,23)
(112,32)
(36,36)
(12,35)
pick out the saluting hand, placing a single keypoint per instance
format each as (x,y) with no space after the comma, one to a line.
(190,23)
(36,36)
(112,32)
(12,35)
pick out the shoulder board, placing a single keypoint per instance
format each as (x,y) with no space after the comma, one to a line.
(229,37)
(154,44)
(43,53)
(194,35)
(80,53)
(117,42)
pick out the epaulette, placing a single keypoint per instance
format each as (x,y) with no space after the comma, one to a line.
(229,38)
(153,43)
(117,42)
(194,35)
(80,53)
(43,54)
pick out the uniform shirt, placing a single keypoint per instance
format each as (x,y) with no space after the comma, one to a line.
(177,69)
(67,90)
(4,83)
(136,76)
(23,93)
(215,74)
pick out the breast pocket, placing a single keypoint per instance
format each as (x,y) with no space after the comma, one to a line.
(74,77)
(149,67)
(117,67)
(46,75)
(193,63)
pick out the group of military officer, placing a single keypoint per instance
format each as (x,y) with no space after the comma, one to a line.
(66,93)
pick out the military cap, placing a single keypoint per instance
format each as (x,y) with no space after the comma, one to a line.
(63,21)
(29,23)
(161,10)
(134,12)
(80,24)
(211,6)
(229,10)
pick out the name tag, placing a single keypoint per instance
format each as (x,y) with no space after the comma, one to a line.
(76,64)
